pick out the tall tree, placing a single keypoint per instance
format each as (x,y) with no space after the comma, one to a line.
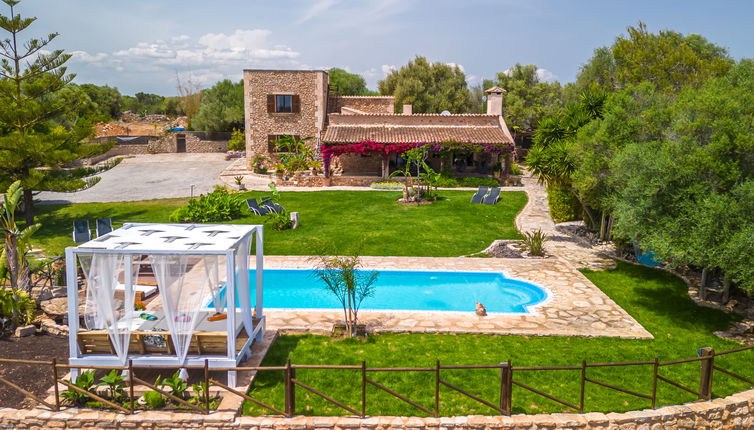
(221,108)
(527,98)
(32,151)
(429,87)
(348,84)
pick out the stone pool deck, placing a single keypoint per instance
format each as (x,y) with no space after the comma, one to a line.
(576,307)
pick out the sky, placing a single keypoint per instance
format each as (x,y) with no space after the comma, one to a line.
(142,45)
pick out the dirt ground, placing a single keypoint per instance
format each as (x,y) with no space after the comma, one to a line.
(34,378)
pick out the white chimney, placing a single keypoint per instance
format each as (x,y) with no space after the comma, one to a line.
(408,109)
(495,101)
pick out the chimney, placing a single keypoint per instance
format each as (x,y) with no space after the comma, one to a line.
(495,101)
(408,109)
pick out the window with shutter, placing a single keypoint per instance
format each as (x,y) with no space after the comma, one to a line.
(270,103)
(295,104)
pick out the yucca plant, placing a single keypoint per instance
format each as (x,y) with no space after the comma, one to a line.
(16,239)
(534,242)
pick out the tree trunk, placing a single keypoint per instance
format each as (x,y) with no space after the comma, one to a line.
(603,226)
(28,207)
(726,289)
(587,211)
(610,227)
(11,256)
(703,285)
(385,166)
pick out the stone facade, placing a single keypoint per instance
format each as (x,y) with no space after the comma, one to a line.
(733,412)
(365,104)
(165,144)
(310,86)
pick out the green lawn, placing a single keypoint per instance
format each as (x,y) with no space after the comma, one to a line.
(656,299)
(449,227)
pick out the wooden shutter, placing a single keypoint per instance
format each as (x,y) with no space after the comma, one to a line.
(295,104)
(271,147)
(270,103)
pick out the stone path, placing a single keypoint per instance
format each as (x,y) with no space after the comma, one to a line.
(536,216)
(576,307)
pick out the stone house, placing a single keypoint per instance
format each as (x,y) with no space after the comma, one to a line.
(300,103)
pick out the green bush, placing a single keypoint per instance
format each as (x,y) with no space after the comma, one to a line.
(279,221)
(218,205)
(154,399)
(237,141)
(563,204)
(16,308)
(516,170)
(386,185)
(535,242)
(85,381)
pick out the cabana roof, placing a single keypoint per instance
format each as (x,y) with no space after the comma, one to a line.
(150,238)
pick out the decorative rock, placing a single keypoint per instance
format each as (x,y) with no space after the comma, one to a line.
(55,308)
(27,330)
(295,219)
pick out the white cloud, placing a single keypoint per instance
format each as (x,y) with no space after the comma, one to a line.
(458,66)
(210,57)
(545,75)
(387,69)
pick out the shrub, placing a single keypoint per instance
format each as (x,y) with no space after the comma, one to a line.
(154,399)
(386,185)
(516,170)
(534,242)
(279,221)
(85,381)
(16,308)
(237,141)
(218,205)
(563,204)
(115,383)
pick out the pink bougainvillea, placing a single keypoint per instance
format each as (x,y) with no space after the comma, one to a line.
(369,147)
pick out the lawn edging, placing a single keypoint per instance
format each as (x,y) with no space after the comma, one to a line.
(728,412)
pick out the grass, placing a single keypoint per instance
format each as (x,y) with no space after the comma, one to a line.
(449,227)
(658,300)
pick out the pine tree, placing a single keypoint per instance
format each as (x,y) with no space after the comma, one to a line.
(32,150)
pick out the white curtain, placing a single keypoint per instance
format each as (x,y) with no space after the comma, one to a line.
(181,305)
(102,310)
(212,273)
(242,286)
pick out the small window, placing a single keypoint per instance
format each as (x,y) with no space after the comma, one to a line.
(283,104)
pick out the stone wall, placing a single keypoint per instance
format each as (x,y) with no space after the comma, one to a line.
(368,104)
(357,164)
(733,412)
(310,86)
(334,181)
(165,144)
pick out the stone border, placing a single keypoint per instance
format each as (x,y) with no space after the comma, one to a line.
(734,411)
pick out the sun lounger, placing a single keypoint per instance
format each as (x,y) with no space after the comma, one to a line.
(274,207)
(492,197)
(255,208)
(480,193)
(81,232)
(103,226)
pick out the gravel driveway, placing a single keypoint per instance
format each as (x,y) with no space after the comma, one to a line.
(145,177)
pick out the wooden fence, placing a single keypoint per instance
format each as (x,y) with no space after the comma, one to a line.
(502,404)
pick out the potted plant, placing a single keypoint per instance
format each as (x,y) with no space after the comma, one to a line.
(239,182)
(315,166)
(280,171)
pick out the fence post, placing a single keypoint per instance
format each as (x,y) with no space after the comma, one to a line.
(55,383)
(290,394)
(583,385)
(655,370)
(506,387)
(437,389)
(206,384)
(706,369)
(363,388)
(131,384)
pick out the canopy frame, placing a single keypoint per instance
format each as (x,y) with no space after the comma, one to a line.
(226,247)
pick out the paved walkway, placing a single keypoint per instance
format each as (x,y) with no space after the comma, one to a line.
(145,177)
(536,216)
(576,307)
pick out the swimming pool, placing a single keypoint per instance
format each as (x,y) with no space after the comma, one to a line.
(405,290)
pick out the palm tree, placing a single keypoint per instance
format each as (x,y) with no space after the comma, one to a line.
(16,239)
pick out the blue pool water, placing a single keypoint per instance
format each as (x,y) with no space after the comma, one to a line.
(404,290)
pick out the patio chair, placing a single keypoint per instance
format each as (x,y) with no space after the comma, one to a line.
(81,232)
(480,193)
(273,207)
(103,226)
(492,197)
(255,208)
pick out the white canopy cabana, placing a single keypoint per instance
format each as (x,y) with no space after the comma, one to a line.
(200,272)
